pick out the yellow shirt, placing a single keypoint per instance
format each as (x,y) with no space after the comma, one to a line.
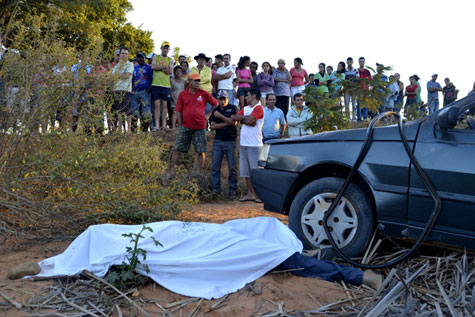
(160,78)
(205,75)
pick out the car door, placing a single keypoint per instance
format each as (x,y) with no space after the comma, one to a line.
(448,158)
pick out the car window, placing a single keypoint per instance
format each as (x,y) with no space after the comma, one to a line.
(466,121)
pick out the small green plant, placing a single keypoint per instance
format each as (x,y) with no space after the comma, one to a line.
(125,274)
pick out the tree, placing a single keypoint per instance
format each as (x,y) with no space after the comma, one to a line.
(328,111)
(81,23)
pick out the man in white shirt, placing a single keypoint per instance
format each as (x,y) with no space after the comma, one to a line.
(122,90)
(224,76)
(252,120)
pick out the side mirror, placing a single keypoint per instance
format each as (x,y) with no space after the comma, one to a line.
(448,118)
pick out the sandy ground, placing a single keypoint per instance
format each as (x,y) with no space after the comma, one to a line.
(290,292)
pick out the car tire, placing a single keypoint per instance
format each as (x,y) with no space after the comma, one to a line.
(353,220)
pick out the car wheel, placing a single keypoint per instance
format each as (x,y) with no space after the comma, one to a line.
(352,222)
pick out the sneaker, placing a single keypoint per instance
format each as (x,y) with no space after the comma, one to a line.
(232,195)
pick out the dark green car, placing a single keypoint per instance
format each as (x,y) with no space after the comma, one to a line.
(301,177)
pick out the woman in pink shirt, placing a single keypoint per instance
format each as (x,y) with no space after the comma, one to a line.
(244,78)
(299,78)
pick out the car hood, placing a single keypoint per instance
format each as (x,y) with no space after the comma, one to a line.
(386,133)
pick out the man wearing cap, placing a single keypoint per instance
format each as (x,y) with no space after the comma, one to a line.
(433,88)
(161,90)
(122,90)
(224,143)
(225,76)
(143,75)
(190,110)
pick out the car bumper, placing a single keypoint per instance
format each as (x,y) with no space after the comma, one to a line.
(272,187)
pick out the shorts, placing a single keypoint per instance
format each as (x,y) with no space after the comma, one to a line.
(248,158)
(296,90)
(187,136)
(264,94)
(161,93)
(242,91)
(122,102)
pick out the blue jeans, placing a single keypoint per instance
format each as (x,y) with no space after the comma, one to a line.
(221,148)
(141,107)
(326,270)
(361,113)
(433,105)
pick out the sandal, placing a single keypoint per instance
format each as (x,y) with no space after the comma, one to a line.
(247,198)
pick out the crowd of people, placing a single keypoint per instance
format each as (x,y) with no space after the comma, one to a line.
(160,93)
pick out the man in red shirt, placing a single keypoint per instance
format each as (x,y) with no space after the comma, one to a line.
(362,112)
(190,110)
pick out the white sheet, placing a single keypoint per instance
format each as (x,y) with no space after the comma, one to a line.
(197,259)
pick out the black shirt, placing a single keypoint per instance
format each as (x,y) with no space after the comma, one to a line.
(228,133)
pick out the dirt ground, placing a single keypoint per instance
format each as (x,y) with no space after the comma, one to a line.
(290,292)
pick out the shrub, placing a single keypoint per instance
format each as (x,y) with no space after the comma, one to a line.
(59,184)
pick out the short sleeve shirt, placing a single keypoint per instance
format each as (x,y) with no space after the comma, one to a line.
(160,78)
(228,133)
(142,77)
(298,78)
(192,108)
(122,68)
(226,84)
(274,119)
(432,94)
(281,88)
(244,74)
(252,136)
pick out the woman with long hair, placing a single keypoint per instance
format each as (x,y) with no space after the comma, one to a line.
(335,79)
(244,79)
(299,78)
(265,80)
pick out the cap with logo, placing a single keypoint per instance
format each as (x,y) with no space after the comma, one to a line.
(165,43)
(222,94)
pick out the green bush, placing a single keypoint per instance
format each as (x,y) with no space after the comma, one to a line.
(60,184)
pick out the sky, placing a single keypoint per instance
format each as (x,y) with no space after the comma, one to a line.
(413,36)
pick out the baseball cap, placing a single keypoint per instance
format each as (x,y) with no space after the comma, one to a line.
(150,55)
(140,54)
(221,94)
(195,76)
(434,74)
(219,56)
(117,51)
(165,43)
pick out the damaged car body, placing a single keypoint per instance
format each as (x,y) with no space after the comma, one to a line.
(301,176)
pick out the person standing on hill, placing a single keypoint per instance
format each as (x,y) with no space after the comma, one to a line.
(141,108)
(225,76)
(244,79)
(321,79)
(265,81)
(224,143)
(282,81)
(296,117)
(433,88)
(205,74)
(122,91)
(299,77)
(161,89)
(351,73)
(190,110)
(365,75)
(449,92)
(252,119)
